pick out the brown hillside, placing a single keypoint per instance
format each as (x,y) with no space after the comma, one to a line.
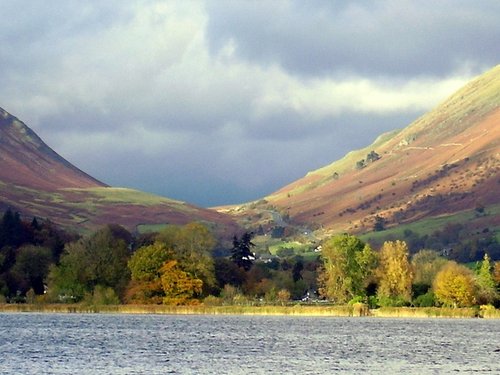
(26,160)
(36,181)
(445,162)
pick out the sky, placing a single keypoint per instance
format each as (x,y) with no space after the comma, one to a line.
(224,102)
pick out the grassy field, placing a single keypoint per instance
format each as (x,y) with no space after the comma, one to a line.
(427,226)
(124,195)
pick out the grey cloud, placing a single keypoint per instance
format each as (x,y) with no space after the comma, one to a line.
(358,37)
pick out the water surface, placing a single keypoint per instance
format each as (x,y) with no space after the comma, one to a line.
(186,344)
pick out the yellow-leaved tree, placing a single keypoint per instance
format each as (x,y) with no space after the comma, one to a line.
(179,286)
(455,286)
(394,274)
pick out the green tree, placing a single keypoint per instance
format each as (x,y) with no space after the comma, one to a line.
(193,247)
(99,259)
(226,272)
(487,292)
(347,265)
(241,253)
(145,265)
(454,285)
(394,273)
(32,268)
(496,273)
(146,262)
(426,264)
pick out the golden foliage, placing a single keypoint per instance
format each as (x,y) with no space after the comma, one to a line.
(179,286)
(454,285)
(394,271)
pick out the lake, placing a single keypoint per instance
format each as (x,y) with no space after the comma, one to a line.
(195,344)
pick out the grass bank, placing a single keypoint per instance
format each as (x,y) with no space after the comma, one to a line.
(289,310)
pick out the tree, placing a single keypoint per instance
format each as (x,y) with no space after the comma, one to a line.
(99,259)
(394,273)
(347,264)
(486,283)
(496,273)
(372,156)
(193,247)
(32,268)
(283,296)
(146,262)
(455,286)
(426,264)
(179,286)
(145,265)
(241,253)
(228,273)
(297,269)
(379,224)
(360,164)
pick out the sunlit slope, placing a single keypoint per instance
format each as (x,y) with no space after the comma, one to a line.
(445,162)
(26,160)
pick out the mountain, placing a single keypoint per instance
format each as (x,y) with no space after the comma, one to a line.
(26,160)
(36,181)
(444,165)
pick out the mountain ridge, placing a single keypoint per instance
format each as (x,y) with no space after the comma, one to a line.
(446,161)
(32,162)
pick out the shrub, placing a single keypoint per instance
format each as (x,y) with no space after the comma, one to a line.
(212,301)
(425,300)
(101,296)
(385,301)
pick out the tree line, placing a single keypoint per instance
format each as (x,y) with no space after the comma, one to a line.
(353,271)
(185,265)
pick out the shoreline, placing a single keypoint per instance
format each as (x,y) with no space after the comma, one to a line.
(265,310)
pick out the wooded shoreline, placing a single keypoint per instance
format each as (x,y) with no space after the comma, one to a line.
(269,310)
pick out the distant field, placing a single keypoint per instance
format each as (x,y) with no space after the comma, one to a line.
(151,228)
(428,226)
(125,195)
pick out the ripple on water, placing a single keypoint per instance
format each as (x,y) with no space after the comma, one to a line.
(154,344)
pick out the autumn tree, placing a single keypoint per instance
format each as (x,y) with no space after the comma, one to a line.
(179,286)
(145,265)
(192,246)
(347,264)
(455,286)
(394,273)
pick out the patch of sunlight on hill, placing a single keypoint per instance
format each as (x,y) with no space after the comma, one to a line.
(126,196)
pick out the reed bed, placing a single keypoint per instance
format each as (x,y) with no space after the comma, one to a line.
(269,310)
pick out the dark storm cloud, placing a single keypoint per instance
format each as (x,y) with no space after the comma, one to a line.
(224,102)
(395,37)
